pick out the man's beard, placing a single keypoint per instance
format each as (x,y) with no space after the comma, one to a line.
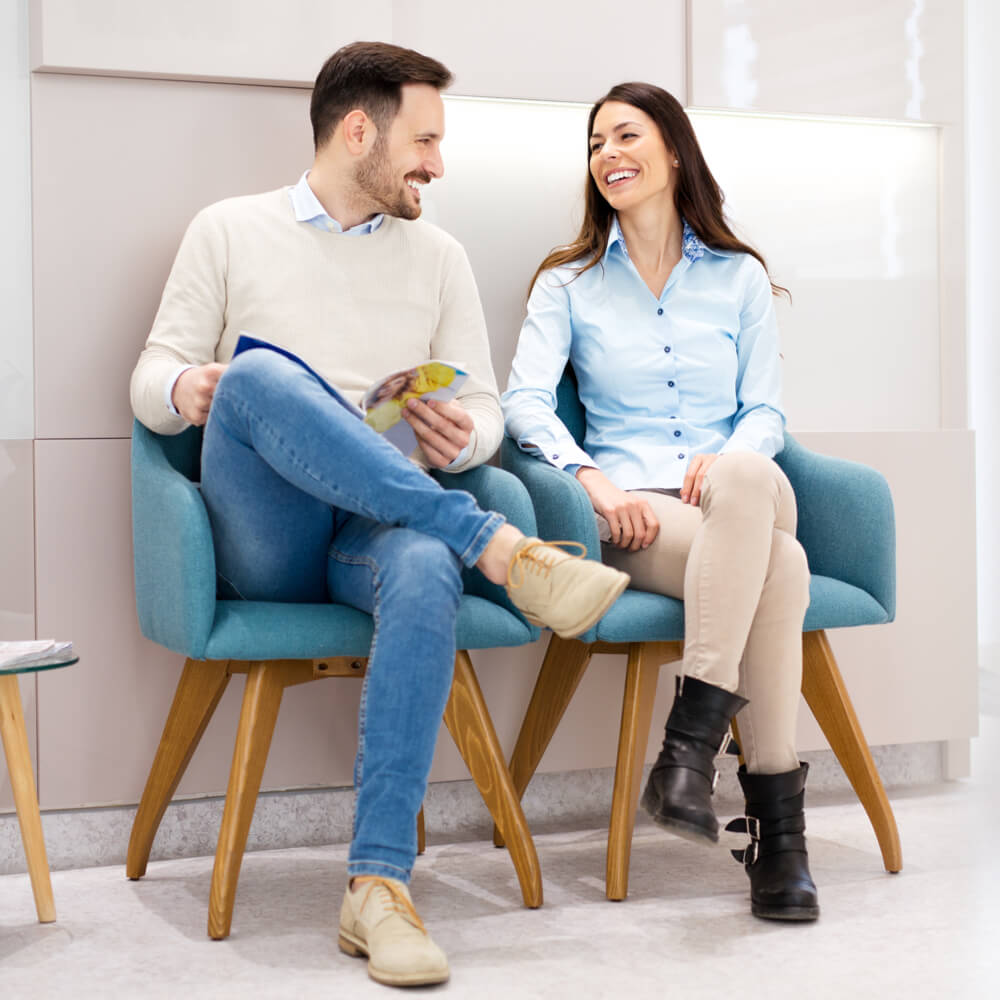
(375,181)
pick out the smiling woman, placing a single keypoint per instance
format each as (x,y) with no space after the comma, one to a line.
(674,344)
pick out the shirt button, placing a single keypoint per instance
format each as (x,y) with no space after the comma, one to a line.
(671,383)
(555,456)
(680,455)
(659,312)
(666,350)
(677,434)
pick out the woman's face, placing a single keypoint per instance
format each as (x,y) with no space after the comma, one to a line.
(629,160)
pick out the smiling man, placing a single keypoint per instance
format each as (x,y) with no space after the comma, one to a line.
(306,502)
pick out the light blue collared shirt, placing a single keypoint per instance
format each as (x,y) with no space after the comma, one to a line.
(307,208)
(693,371)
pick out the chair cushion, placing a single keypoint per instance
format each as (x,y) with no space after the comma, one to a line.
(638,616)
(266,630)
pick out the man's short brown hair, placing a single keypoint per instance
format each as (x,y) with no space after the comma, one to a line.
(369,76)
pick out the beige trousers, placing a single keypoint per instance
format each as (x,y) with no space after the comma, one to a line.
(744,581)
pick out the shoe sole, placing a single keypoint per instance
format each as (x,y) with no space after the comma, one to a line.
(678,827)
(355,947)
(591,619)
(795,914)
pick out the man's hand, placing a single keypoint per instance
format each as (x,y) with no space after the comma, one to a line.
(442,429)
(193,392)
(691,488)
(631,520)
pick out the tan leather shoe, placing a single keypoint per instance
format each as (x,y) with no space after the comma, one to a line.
(378,920)
(560,590)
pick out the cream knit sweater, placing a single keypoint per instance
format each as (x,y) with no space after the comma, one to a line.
(353,308)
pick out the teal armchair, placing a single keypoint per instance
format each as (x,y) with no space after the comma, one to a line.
(278,645)
(846,525)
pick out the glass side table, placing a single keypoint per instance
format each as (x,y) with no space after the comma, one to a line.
(22,780)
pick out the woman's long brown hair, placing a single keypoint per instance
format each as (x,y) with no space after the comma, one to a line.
(697,195)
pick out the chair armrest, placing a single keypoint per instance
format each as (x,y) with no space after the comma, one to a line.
(173,553)
(497,490)
(846,520)
(562,507)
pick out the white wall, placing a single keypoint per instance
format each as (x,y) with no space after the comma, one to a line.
(846,212)
(983,89)
(16,403)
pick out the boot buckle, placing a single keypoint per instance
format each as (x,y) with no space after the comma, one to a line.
(724,745)
(753,828)
(715,779)
(751,853)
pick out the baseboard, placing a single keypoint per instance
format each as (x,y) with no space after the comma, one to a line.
(454,812)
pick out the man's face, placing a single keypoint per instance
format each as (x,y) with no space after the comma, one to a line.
(406,155)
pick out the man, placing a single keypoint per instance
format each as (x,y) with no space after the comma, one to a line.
(309,504)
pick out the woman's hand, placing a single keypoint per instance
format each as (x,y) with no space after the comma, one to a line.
(691,488)
(631,520)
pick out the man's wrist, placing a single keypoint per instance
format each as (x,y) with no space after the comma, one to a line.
(170,389)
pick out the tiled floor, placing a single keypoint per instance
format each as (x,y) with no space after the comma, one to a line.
(685,931)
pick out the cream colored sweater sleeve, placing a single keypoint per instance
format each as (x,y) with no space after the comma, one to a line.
(188,324)
(461,337)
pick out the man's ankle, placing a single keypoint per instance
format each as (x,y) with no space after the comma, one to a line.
(499,550)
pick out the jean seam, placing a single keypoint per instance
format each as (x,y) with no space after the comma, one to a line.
(359,762)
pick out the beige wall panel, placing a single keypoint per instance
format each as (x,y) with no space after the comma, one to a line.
(557,50)
(253,40)
(916,679)
(120,168)
(102,755)
(17,580)
(892,59)
(100,720)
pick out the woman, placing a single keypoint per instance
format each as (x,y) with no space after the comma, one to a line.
(668,321)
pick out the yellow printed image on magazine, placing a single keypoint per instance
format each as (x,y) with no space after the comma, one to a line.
(384,402)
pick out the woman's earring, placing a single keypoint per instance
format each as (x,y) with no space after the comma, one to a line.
(677,163)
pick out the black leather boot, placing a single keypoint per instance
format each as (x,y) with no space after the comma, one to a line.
(678,794)
(781,887)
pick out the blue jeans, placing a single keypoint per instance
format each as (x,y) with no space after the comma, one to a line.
(307,503)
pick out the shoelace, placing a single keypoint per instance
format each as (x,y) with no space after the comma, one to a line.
(541,562)
(396,901)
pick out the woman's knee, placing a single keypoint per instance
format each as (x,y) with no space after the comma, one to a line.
(789,570)
(743,471)
(743,481)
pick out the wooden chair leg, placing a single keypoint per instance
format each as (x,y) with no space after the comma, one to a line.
(827,697)
(644,661)
(471,727)
(562,669)
(261,701)
(421,832)
(198,692)
(22,783)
